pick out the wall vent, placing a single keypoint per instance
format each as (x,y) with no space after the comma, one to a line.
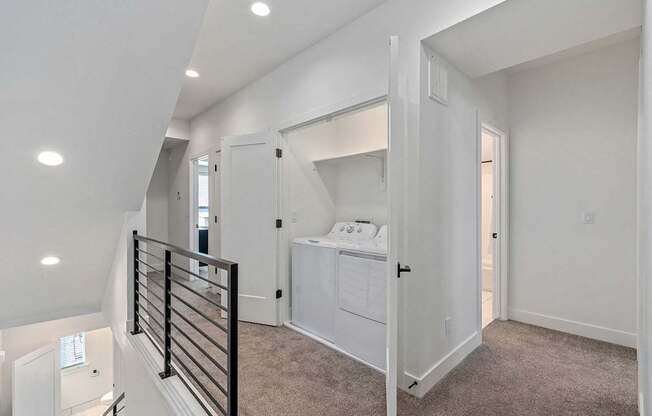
(437,80)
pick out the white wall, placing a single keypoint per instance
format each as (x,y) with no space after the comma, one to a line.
(77,385)
(178,129)
(573,150)
(346,190)
(22,340)
(157,200)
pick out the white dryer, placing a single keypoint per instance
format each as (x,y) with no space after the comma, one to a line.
(314,271)
(361,317)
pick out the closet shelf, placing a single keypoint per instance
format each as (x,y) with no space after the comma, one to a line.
(381,153)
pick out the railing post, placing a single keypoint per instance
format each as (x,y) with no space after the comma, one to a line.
(137,329)
(167,354)
(232,341)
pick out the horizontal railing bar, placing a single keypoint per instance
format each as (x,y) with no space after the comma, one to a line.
(151,319)
(156,270)
(198,365)
(198,276)
(200,385)
(206,298)
(192,391)
(150,254)
(204,258)
(114,404)
(152,279)
(208,337)
(194,343)
(158,348)
(151,292)
(200,313)
(150,303)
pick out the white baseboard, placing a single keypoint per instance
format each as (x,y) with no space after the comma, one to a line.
(438,371)
(599,333)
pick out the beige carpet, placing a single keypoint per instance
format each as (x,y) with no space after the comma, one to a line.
(520,370)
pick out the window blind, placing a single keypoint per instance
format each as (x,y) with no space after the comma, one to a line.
(73,350)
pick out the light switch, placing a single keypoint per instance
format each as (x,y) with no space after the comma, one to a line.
(588,217)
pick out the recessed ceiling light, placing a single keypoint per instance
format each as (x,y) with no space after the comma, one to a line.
(191,73)
(50,158)
(260,9)
(50,260)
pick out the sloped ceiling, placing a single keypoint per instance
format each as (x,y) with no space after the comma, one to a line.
(235,47)
(97,81)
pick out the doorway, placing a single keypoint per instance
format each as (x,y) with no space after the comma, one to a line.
(490,208)
(200,212)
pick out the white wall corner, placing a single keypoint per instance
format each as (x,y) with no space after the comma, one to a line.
(178,129)
(613,336)
(438,371)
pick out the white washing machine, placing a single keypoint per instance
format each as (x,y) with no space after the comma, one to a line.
(361,313)
(314,272)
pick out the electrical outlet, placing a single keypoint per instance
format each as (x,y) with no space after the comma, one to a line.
(448,323)
(588,217)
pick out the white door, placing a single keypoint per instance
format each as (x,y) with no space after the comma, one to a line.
(36,384)
(250,207)
(395,190)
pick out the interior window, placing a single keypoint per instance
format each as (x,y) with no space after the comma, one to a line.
(73,350)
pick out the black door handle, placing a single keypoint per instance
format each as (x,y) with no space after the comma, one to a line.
(404,269)
(494,235)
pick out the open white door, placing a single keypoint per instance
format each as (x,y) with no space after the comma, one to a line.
(396,227)
(36,384)
(249,210)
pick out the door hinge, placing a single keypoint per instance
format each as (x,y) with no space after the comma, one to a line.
(216,167)
(279,153)
(279,223)
(279,294)
(404,269)
(216,219)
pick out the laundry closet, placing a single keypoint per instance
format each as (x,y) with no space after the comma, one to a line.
(336,209)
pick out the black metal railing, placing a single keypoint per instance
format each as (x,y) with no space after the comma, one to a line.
(116,407)
(197,333)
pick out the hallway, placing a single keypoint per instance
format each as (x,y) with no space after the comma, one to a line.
(526,370)
(519,370)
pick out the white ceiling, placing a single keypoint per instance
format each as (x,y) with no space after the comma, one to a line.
(519,31)
(96,81)
(236,47)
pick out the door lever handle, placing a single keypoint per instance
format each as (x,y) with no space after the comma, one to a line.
(404,269)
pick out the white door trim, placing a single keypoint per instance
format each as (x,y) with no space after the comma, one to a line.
(193,239)
(501,202)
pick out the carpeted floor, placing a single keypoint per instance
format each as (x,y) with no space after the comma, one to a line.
(519,370)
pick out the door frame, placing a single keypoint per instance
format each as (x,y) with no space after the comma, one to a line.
(394,354)
(500,308)
(300,122)
(193,234)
